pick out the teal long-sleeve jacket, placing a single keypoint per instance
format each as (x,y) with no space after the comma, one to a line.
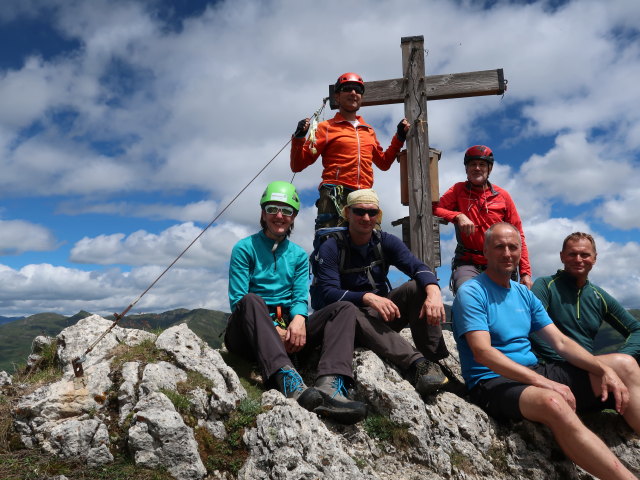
(280,277)
(579,312)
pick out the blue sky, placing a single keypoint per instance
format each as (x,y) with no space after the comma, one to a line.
(125,126)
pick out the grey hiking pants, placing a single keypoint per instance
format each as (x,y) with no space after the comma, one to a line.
(383,338)
(251,334)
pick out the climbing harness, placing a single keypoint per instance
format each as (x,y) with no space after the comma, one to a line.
(77,362)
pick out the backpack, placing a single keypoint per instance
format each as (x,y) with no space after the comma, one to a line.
(344,252)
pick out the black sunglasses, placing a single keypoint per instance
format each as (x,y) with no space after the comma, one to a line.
(347,87)
(361,212)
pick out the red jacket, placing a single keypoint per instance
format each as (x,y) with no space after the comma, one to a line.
(347,153)
(483,209)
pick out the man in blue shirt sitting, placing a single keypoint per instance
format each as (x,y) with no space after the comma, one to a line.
(492,319)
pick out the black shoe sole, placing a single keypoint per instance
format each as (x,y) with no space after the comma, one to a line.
(431,388)
(346,413)
(346,416)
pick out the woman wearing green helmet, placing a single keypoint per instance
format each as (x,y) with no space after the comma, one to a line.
(280,205)
(268,291)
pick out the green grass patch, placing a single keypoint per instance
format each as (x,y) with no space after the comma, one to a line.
(228,454)
(31,465)
(498,456)
(461,462)
(195,380)
(384,429)
(145,352)
(180,402)
(46,370)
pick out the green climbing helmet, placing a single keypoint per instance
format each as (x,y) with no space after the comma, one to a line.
(281,192)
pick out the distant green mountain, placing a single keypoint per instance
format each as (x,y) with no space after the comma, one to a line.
(608,339)
(8,319)
(207,324)
(16,336)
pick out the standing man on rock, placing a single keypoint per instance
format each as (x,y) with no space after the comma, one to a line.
(578,307)
(473,206)
(349,148)
(353,267)
(492,319)
(268,293)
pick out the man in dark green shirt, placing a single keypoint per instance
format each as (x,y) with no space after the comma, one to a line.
(577,306)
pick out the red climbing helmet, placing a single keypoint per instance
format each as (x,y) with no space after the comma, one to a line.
(479,152)
(348,77)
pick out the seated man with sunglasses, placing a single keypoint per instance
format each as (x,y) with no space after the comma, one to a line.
(349,148)
(360,277)
(268,292)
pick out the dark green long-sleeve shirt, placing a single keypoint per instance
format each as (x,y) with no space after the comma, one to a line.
(579,312)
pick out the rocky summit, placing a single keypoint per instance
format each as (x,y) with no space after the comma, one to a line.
(166,399)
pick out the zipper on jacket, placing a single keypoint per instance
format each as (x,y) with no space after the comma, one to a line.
(358,139)
(578,303)
(275,259)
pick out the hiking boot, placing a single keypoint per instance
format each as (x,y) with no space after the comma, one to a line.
(427,377)
(336,404)
(291,385)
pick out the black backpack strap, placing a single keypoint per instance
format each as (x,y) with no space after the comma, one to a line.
(345,259)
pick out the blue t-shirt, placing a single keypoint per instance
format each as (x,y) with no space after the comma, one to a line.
(508,314)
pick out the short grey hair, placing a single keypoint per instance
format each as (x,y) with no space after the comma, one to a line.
(489,233)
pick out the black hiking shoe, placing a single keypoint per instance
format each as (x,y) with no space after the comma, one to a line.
(291,385)
(336,404)
(427,377)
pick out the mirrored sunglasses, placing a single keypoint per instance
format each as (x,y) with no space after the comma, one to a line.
(347,87)
(274,209)
(361,212)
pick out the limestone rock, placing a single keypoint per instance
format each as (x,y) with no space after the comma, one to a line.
(73,341)
(86,439)
(291,443)
(37,346)
(161,376)
(5,379)
(159,437)
(127,397)
(49,406)
(440,437)
(191,353)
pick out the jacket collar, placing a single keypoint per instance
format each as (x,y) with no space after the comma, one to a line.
(270,241)
(568,279)
(467,185)
(339,118)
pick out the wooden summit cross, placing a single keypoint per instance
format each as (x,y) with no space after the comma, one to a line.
(414,89)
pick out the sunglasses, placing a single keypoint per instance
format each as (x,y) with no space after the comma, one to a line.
(274,209)
(347,87)
(361,212)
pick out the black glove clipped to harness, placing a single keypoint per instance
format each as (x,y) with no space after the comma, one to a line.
(302,129)
(402,135)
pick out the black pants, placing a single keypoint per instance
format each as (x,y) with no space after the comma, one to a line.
(383,338)
(251,334)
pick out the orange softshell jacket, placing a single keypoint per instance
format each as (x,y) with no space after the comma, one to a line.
(347,153)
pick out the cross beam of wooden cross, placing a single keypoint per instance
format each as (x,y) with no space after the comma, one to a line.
(414,89)
(439,87)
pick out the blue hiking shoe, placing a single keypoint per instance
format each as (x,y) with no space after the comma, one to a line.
(336,404)
(291,385)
